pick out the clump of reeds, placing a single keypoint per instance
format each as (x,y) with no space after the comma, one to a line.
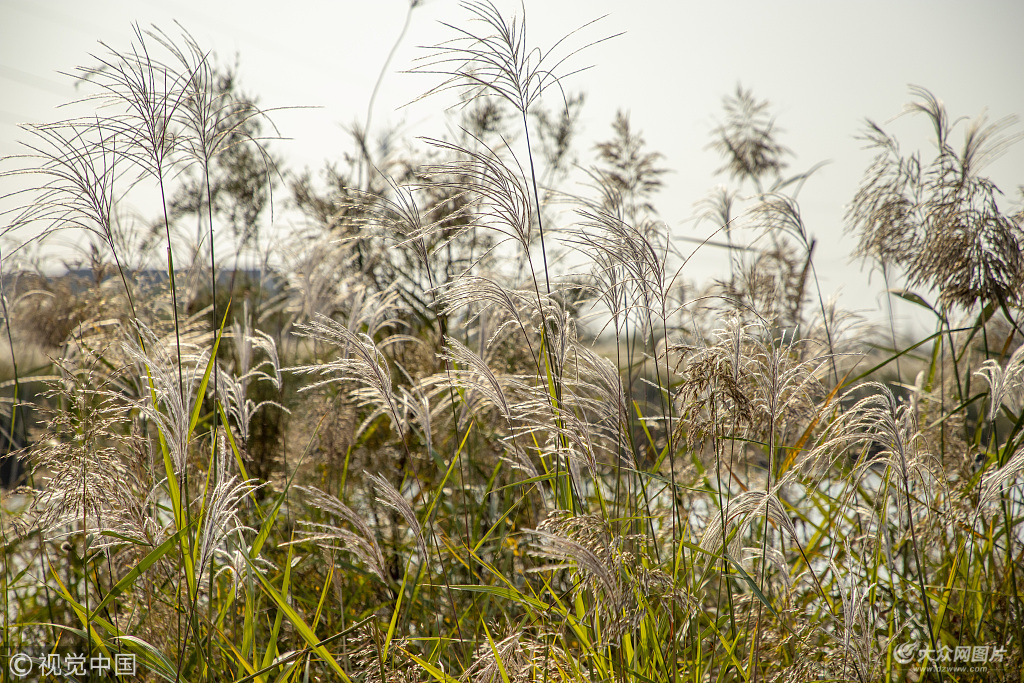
(467,489)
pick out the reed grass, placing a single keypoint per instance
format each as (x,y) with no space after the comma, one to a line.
(405,460)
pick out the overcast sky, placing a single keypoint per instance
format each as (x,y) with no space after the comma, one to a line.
(825,66)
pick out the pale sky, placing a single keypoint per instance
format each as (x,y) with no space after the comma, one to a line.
(824,65)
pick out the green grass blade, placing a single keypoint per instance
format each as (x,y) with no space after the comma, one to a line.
(129,579)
